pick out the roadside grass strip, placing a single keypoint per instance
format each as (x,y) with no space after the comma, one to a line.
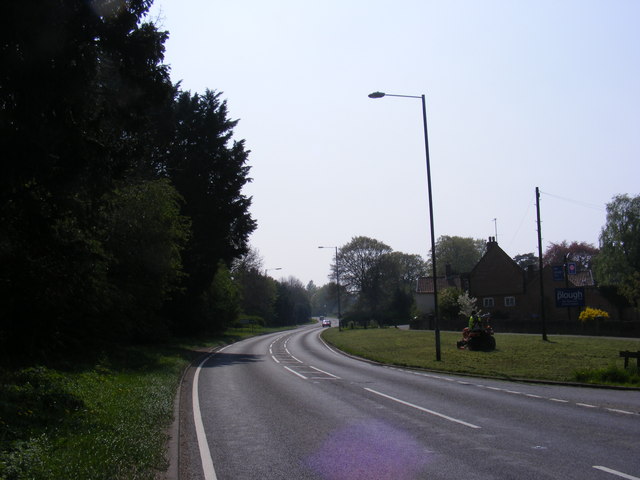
(562,358)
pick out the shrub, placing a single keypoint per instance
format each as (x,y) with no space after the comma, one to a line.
(589,314)
(611,375)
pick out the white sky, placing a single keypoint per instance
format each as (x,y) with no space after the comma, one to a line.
(520,94)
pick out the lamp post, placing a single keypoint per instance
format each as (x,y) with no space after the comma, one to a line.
(338,287)
(433,240)
(269,269)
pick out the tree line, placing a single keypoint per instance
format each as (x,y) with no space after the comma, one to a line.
(121,202)
(122,217)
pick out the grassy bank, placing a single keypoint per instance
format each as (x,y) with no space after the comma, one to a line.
(104,418)
(562,358)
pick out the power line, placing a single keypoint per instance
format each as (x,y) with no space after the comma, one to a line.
(577,202)
(521,222)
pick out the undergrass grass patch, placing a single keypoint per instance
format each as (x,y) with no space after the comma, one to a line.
(106,421)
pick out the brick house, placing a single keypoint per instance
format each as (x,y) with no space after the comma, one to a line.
(511,295)
(498,282)
(424,289)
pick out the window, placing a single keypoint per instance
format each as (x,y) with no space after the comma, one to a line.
(509,301)
(487,302)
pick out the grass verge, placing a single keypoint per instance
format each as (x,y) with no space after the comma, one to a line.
(562,358)
(102,420)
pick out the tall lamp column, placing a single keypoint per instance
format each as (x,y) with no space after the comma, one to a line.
(433,240)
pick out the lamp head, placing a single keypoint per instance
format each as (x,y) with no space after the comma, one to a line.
(376,95)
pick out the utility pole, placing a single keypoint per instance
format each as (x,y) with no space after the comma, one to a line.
(542,314)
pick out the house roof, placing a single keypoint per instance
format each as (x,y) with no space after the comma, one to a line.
(495,255)
(425,284)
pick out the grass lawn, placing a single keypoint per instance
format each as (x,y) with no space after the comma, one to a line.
(562,358)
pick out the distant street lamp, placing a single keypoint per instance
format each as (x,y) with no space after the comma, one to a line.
(433,240)
(338,287)
(270,269)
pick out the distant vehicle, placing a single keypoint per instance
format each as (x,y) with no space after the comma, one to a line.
(326,322)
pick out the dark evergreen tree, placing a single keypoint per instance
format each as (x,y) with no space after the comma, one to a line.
(209,170)
(81,91)
(292,306)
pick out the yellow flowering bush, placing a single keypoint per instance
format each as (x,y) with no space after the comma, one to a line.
(589,314)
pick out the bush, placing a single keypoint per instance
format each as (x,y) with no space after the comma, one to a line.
(590,314)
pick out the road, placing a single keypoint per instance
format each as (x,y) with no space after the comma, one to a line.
(287,406)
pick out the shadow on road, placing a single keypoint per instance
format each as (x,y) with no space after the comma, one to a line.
(224,359)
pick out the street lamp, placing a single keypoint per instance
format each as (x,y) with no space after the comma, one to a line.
(269,269)
(338,286)
(433,240)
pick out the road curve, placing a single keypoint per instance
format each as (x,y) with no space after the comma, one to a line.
(287,406)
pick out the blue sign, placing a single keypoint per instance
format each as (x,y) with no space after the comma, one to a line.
(571,269)
(570,297)
(558,273)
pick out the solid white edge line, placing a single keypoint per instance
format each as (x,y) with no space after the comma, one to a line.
(615,472)
(326,345)
(422,409)
(203,445)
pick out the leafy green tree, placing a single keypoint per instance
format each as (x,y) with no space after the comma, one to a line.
(401,270)
(400,307)
(618,262)
(448,303)
(461,253)
(258,292)
(360,265)
(144,237)
(399,273)
(223,301)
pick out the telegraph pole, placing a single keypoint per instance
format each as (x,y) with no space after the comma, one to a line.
(542,314)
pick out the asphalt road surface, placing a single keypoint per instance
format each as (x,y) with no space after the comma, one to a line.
(287,406)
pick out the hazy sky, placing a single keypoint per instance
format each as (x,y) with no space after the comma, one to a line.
(520,94)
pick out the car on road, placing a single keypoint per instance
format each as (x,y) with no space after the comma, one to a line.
(326,322)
